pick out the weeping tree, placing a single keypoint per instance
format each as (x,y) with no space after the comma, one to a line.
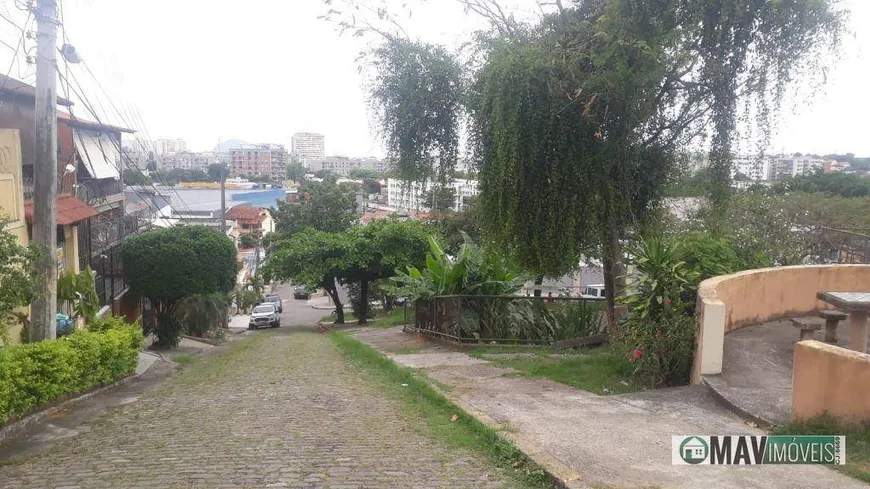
(575,119)
(416,94)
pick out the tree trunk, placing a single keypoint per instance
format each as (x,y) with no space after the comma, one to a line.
(332,292)
(364,302)
(538,281)
(614,280)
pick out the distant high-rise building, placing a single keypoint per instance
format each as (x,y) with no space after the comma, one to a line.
(307,146)
(184,160)
(342,165)
(169,146)
(785,166)
(264,160)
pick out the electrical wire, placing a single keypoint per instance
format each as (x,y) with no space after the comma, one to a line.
(80,94)
(17,49)
(140,127)
(77,90)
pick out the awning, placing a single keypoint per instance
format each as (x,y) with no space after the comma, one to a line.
(98,153)
(70,210)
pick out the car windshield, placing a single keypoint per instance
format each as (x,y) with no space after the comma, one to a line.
(262,309)
(272,298)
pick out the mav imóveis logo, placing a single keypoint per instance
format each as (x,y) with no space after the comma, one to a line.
(758,450)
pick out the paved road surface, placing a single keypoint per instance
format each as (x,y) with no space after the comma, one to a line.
(282,409)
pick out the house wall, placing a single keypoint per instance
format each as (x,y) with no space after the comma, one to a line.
(730,302)
(12,197)
(18,114)
(830,379)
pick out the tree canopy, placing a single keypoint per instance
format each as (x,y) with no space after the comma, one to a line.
(169,265)
(576,118)
(296,171)
(323,206)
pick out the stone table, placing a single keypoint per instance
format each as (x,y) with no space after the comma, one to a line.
(857,304)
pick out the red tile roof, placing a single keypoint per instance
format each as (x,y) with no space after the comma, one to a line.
(245,213)
(70,210)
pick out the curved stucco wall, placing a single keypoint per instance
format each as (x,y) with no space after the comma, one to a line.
(730,302)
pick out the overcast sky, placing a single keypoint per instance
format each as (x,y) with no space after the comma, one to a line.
(260,70)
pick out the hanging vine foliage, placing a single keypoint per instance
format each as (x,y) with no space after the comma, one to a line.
(416,93)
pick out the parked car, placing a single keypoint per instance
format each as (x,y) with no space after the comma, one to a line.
(592,291)
(299,292)
(274,299)
(264,315)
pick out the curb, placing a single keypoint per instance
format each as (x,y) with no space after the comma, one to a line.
(734,408)
(21,426)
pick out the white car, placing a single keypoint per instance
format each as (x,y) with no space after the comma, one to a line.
(264,315)
(592,291)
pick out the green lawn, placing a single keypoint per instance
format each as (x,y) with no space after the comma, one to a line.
(594,370)
(857,442)
(381,320)
(435,413)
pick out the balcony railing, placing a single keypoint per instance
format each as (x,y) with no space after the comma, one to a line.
(96,192)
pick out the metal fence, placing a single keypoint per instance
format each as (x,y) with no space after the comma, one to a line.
(570,321)
(845,246)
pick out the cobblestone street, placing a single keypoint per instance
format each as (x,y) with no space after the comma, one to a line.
(282,409)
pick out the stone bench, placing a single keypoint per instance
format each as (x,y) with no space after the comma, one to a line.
(808,327)
(832,319)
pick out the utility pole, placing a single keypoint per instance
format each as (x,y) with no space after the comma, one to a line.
(224,319)
(44,307)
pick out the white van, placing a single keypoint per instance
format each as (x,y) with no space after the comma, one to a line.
(595,291)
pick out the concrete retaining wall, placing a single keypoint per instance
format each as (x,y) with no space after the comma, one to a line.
(730,302)
(830,379)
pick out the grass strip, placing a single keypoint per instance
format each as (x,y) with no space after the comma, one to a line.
(857,441)
(427,404)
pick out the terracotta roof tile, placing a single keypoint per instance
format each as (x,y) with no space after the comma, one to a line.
(248,213)
(70,210)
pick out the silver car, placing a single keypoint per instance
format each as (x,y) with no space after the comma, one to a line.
(264,315)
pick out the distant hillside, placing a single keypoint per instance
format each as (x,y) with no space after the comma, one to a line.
(229,144)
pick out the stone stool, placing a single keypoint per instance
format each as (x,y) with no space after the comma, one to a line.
(808,327)
(832,319)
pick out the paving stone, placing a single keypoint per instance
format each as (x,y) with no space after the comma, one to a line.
(283,411)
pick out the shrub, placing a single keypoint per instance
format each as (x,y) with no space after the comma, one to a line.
(661,350)
(37,373)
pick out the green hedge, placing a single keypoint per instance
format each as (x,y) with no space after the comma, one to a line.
(37,373)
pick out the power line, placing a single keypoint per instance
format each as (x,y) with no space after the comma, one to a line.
(86,102)
(93,111)
(18,48)
(142,129)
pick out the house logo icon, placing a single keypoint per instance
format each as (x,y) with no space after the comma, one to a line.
(694,450)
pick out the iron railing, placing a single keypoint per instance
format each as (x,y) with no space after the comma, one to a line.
(508,319)
(844,246)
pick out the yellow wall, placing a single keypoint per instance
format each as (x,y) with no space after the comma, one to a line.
(730,302)
(12,197)
(830,379)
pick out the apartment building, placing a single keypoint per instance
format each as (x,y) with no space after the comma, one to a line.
(342,165)
(308,146)
(408,196)
(258,160)
(186,160)
(789,166)
(169,146)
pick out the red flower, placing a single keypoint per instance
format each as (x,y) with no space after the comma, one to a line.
(667,302)
(637,353)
